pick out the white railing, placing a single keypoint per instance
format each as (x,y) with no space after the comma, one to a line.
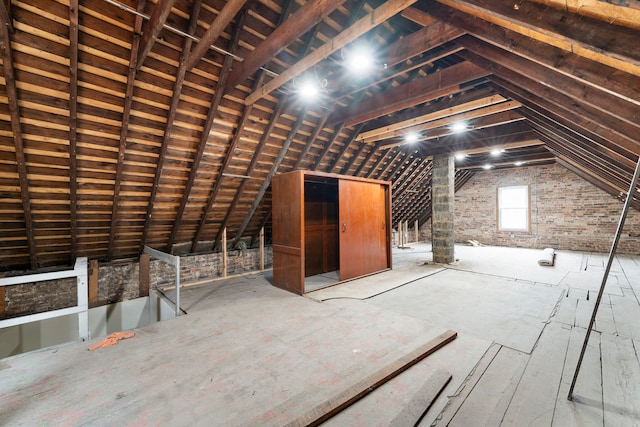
(173,260)
(81,309)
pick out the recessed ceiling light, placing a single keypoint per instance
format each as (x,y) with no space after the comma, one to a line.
(359,58)
(309,90)
(411,137)
(497,151)
(487,166)
(460,156)
(460,126)
(519,163)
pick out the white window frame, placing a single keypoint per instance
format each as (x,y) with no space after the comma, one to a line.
(526,207)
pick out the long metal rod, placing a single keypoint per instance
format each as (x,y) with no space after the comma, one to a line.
(614,246)
(183,34)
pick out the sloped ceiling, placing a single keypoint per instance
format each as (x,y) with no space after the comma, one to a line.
(126,123)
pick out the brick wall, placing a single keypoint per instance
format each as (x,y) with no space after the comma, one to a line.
(119,281)
(567,212)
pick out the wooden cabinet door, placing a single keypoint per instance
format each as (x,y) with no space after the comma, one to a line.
(288,232)
(363,228)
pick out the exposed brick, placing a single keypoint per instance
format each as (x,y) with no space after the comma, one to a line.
(567,212)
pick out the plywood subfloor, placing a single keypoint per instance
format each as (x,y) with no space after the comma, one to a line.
(251,354)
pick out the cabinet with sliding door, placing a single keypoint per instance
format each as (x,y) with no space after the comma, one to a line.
(328,228)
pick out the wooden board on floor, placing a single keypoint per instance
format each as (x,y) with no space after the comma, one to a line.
(586,407)
(337,403)
(488,402)
(456,401)
(620,381)
(422,400)
(535,396)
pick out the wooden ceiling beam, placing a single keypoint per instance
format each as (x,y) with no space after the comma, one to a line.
(428,58)
(360,27)
(392,130)
(582,118)
(446,122)
(602,100)
(419,42)
(124,129)
(481,122)
(540,120)
(226,15)
(5,14)
(443,82)
(206,131)
(408,187)
(417,16)
(73,126)
(530,160)
(614,13)
(18,141)
(608,44)
(152,29)
(171,115)
(282,36)
(580,69)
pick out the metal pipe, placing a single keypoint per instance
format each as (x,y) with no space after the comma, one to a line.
(183,34)
(614,246)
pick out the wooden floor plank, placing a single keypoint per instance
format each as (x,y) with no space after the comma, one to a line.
(586,407)
(488,402)
(325,410)
(620,382)
(456,401)
(420,403)
(535,396)
(626,313)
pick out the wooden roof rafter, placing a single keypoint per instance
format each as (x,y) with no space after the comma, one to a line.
(16,128)
(274,169)
(356,154)
(171,114)
(152,29)
(73,125)
(204,135)
(327,147)
(592,39)
(360,27)
(584,70)
(124,130)
(372,151)
(277,113)
(438,84)
(384,153)
(344,149)
(580,116)
(293,28)
(226,15)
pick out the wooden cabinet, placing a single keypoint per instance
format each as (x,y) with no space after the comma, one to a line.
(327,223)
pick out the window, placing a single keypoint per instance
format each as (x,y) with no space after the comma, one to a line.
(513,208)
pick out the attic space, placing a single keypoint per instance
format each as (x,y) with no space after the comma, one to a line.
(336,212)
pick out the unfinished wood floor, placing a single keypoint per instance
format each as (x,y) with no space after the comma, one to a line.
(251,354)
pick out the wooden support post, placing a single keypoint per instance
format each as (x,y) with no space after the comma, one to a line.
(416,231)
(93,282)
(224,252)
(144,275)
(262,248)
(406,231)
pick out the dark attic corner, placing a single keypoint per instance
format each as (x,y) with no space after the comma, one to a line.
(337,212)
